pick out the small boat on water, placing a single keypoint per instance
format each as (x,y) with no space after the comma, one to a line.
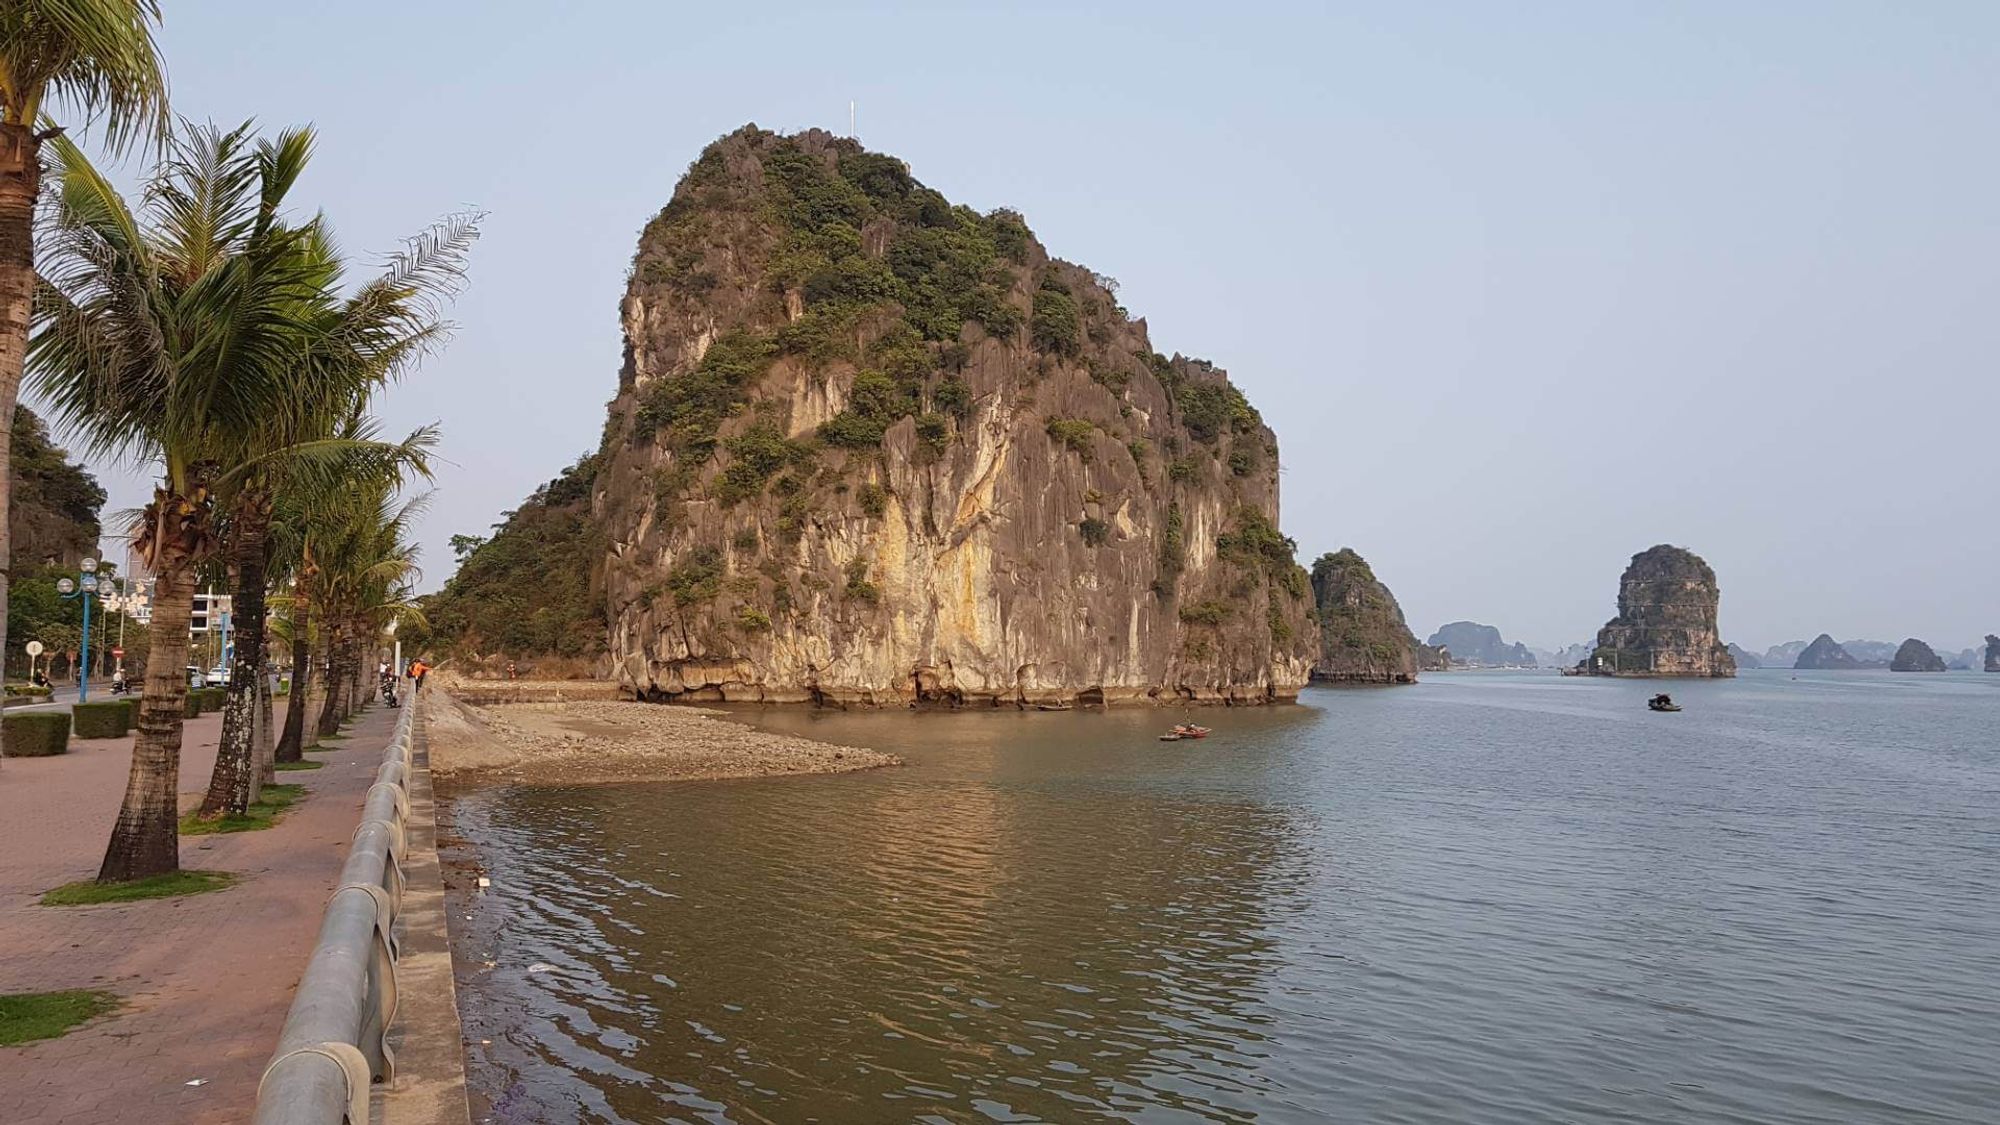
(1662,702)
(1054,707)
(1185,730)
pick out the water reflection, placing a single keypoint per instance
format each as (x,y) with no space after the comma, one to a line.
(938,942)
(1488,898)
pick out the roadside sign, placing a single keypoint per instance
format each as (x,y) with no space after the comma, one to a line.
(118,654)
(34,648)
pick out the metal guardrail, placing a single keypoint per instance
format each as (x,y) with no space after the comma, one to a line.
(335,1040)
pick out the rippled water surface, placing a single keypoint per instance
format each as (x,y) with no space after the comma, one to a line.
(1488,897)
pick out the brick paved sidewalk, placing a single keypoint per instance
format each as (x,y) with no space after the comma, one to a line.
(206,979)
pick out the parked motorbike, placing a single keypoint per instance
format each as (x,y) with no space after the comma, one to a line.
(389,690)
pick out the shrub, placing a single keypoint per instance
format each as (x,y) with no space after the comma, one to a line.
(746,540)
(1205,613)
(36,734)
(756,455)
(874,404)
(1208,409)
(1182,470)
(191,704)
(1056,325)
(698,578)
(933,433)
(953,396)
(874,500)
(752,620)
(858,586)
(1073,433)
(101,720)
(131,705)
(1094,531)
(29,689)
(1173,551)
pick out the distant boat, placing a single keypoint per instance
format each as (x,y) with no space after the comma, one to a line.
(1052,706)
(1662,703)
(1185,730)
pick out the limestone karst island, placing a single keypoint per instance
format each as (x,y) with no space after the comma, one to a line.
(1162,565)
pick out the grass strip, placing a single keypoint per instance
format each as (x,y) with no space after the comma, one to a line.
(263,813)
(299,765)
(173,884)
(28,1016)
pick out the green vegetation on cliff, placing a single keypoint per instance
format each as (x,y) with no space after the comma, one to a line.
(534,588)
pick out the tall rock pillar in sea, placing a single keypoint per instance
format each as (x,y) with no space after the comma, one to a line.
(1666,623)
(873,448)
(1992,653)
(1363,636)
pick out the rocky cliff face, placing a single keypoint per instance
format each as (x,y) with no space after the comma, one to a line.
(1666,625)
(1479,645)
(1916,656)
(1992,653)
(1363,636)
(872,448)
(1825,653)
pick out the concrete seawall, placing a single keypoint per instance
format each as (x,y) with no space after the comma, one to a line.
(429,1088)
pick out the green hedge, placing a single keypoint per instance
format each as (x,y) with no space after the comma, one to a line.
(28,689)
(36,734)
(131,704)
(101,720)
(191,703)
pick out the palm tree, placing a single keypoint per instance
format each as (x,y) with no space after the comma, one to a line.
(362,566)
(271,537)
(191,334)
(95,57)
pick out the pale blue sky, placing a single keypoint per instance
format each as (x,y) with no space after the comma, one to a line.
(1524,288)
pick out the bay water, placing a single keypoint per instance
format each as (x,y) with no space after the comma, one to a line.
(1506,897)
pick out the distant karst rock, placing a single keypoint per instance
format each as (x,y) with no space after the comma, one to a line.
(1744,657)
(1668,603)
(1872,654)
(1785,655)
(1363,636)
(1826,654)
(1992,653)
(1433,658)
(1916,656)
(1475,645)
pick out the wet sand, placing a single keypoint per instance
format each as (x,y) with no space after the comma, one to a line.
(597,742)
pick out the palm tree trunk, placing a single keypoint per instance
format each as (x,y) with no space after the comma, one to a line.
(146,840)
(329,714)
(236,779)
(20,179)
(261,748)
(291,747)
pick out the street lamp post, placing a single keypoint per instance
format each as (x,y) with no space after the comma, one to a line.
(83,587)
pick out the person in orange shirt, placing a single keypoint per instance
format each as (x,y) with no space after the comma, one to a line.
(417,670)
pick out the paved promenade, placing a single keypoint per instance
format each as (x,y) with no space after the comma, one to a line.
(206,980)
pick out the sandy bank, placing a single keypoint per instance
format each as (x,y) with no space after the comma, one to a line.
(594,742)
